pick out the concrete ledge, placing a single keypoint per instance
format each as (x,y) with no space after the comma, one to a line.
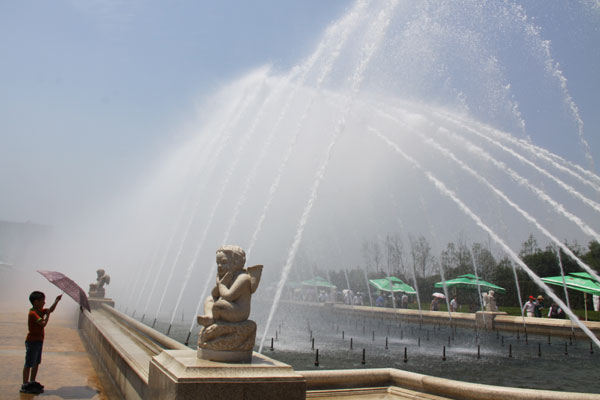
(96,302)
(545,326)
(225,356)
(163,340)
(123,347)
(177,374)
(380,393)
(319,381)
(134,357)
(402,314)
(128,377)
(499,320)
(485,319)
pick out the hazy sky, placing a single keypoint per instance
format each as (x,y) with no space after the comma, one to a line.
(94,90)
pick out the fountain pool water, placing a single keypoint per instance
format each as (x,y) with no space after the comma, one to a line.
(553,369)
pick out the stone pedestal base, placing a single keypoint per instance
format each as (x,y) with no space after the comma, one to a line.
(97,303)
(227,341)
(242,356)
(181,375)
(485,319)
(96,293)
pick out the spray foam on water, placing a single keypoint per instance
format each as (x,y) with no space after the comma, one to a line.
(555,161)
(571,190)
(236,108)
(503,196)
(339,36)
(552,68)
(375,36)
(331,36)
(477,278)
(246,187)
(224,184)
(207,150)
(446,152)
(559,208)
(466,210)
(248,100)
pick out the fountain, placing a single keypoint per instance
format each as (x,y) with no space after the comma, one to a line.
(404,119)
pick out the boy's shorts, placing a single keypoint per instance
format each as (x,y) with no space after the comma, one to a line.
(33,353)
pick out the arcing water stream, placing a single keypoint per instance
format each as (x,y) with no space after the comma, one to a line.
(432,81)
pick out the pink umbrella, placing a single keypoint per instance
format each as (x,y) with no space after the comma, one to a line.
(67,285)
(438,295)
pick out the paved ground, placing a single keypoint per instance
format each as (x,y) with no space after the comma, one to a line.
(66,370)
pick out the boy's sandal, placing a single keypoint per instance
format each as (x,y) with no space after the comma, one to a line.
(30,388)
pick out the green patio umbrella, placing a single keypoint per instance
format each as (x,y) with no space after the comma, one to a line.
(580,281)
(398,285)
(317,281)
(584,275)
(470,281)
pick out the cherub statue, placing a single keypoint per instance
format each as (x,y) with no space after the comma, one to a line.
(227,334)
(97,289)
(230,298)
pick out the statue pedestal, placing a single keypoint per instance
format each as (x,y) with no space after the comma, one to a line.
(97,303)
(244,356)
(227,341)
(180,374)
(485,319)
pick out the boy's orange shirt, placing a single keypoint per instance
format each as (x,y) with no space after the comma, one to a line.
(36,331)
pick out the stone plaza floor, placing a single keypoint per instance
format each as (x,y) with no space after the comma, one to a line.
(66,370)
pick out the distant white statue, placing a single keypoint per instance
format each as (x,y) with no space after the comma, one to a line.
(489,301)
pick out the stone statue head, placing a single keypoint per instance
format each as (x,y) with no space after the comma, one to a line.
(100,272)
(230,258)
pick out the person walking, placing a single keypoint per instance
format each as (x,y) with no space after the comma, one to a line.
(539,306)
(555,311)
(454,304)
(529,307)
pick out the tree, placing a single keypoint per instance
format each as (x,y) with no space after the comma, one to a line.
(456,259)
(394,253)
(529,247)
(421,255)
(543,263)
(592,257)
(485,261)
(372,254)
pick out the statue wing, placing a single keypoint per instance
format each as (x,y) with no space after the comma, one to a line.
(255,273)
